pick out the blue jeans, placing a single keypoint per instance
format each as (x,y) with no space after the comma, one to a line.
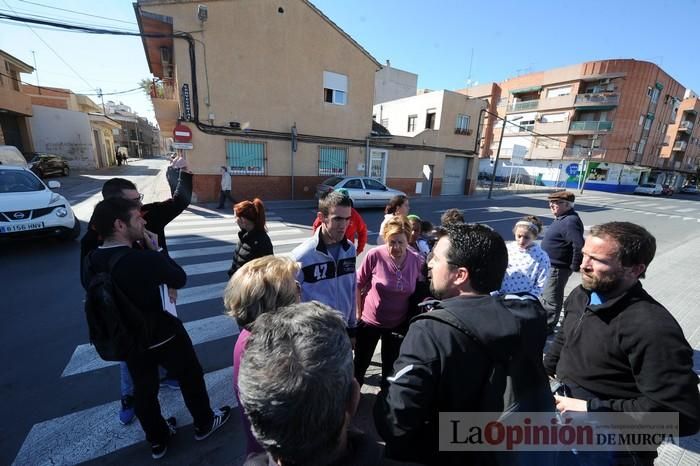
(126,384)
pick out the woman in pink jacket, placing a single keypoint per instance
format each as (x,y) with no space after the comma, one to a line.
(385,281)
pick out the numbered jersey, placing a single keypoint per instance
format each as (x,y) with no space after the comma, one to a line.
(326,279)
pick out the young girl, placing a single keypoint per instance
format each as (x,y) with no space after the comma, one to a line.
(528,264)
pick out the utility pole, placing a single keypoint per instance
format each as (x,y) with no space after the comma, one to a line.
(99,94)
(36,70)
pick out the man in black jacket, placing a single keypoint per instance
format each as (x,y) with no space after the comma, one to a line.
(562,241)
(139,274)
(619,349)
(442,369)
(157,216)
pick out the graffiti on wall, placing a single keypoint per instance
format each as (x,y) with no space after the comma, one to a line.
(69,150)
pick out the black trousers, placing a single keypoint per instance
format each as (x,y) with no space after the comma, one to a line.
(223,196)
(367,337)
(177,356)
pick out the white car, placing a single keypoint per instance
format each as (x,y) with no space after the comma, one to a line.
(28,207)
(649,188)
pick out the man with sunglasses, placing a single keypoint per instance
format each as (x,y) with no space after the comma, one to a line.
(562,241)
(157,215)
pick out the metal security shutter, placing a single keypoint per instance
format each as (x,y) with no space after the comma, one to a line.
(246,157)
(332,161)
(455,175)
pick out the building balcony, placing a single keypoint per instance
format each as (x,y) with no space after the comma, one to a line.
(559,127)
(15,102)
(686,126)
(590,127)
(166,104)
(680,145)
(583,152)
(524,106)
(596,100)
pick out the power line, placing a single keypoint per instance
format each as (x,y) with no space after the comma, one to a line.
(54,89)
(29,13)
(54,51)
(78,12)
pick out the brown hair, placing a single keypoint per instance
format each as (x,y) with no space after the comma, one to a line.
(253,211)
(395,226)
(532,223)
(395,203)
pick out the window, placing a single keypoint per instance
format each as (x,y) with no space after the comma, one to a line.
(526,126)
(332,161)
(554,117)
(374,184)
(641,120)
(462,122)
(353,184)
(558,91)
(385,123)
(654,95)
(412,123)
(246,157)
(647,123)
(335,88)
(642,145)
(430,119)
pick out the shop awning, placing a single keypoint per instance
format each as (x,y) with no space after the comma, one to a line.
(524,90)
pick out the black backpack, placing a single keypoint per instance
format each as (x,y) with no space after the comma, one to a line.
(117,328)
(522,379)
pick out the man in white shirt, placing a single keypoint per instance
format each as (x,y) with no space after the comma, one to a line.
(225,188)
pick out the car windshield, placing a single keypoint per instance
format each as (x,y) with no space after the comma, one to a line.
(332,181)
(18,181)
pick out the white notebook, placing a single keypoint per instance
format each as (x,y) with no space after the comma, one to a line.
(167,305)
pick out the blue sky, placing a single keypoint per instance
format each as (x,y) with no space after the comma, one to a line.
(433,39)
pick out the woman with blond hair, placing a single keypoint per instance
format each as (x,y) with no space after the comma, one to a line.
(385,281)
(528,264)
(253,241)
(261,285)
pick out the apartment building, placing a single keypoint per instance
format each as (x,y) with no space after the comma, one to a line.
(440,127)
(614,115)
(681,149)
(15,107)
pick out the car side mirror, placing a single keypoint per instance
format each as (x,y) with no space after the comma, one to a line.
(53,184)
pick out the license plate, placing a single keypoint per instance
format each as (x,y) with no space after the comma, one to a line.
(22,227)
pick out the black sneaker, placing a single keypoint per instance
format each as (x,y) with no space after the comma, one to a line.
(221,415)
(158,450)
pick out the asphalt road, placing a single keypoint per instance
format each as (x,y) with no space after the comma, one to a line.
(43,322)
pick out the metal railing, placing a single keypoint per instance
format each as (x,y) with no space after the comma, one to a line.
(583,152)
(525,105)
(680,145)
(597,99)
(593,126)
(162,89)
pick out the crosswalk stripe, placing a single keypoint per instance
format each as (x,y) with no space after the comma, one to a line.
(217,221)
(684,210)
(224,228)
(210,251)
(86,359)
(229,236)
(207,267)
(95,432)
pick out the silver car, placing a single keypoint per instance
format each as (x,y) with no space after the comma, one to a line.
(364,191)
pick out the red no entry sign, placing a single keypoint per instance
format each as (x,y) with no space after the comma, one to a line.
(182,133)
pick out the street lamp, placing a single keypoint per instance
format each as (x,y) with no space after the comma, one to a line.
(498,150)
